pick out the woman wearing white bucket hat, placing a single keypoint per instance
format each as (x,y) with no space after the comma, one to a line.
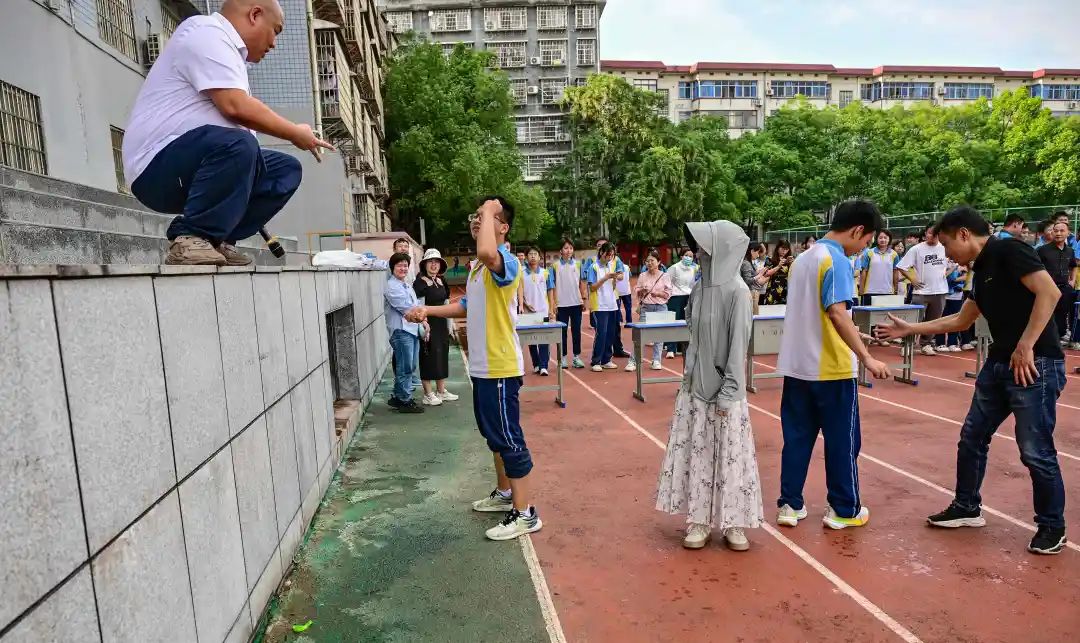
(431,288)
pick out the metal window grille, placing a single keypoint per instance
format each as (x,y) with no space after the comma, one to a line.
(399,21)
(360,212)
(116,26)
(586,51)
(534,166)
(449,47)
(508,54)
(541,129)
(585,16)
(551,17)
(22,140)
(793,88)
(552,53)
(663,109)
(506,19)
(451,20)
(580,81)
(117,136)
(846,97)
(736,119)
(551,90)
(335,83)
(519,90)
(170,20)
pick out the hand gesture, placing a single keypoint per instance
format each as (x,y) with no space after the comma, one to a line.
(879,369)
(896,330)
(427,330)
(416,315)
(305,139)
(1022,364)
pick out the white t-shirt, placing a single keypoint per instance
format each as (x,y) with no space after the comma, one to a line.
(205,53)
(535,286)
(682,278)
(930,265)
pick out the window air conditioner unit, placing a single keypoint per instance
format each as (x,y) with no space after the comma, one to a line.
(941,91)
(533,90)
(562,137)
(768,92)
(535,60)
(154,43)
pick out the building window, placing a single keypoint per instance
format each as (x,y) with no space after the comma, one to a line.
(901,91)
(866,92)
(585,16)
(519,88)
(451,20)
(586,51)
(793,88)
(666,97)
(551,17)
(551,90)
(968,91)
(686,90)
(399,21)
(1056,92)
(580,81)
(534,166)
(117,136)
(170,20)
(725,89)
(645,83)
(508,55)
(505,19)
(736,119)
(846,96)
(541,129)
(22,140)
(449,47)
(116,26)
(552,53)
(360,214)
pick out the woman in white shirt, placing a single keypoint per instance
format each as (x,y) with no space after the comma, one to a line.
(925,266)
(654,292)
(683,276)
(536,296)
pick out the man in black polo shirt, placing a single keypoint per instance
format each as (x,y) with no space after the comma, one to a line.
(1060,262)
(1023,376)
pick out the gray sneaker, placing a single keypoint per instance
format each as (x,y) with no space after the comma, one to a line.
(233,257)
(494,503)
(193,251)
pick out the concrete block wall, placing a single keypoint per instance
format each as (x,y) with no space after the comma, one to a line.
(168,434)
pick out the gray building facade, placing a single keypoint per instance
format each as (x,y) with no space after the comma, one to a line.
(543,46)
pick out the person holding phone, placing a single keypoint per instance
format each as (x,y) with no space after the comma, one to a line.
(601,278)
(654,292)
(777,268)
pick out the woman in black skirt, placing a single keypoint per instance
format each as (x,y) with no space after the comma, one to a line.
(431,290)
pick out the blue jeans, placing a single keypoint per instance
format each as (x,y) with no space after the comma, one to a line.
(831,407)
(221,183)
(571,316)
(606,324)
(1035,410)
(406,348)
(658,347)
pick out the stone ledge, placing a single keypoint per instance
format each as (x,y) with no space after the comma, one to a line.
(82,271)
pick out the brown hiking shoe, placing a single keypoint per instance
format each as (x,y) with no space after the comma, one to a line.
(233,257)
(193,251)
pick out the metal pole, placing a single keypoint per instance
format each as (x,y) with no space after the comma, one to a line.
(423,232)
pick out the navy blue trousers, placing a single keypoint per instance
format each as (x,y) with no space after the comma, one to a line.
(221,183)
(832,408)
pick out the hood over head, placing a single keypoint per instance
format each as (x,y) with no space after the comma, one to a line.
(721,248)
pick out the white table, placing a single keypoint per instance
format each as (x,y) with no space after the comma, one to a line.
(866,317)
(546,333)
(765,336)
(644,333)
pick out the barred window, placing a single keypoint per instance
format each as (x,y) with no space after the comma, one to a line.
(586,51)
(551,17)
(551,90)
(541,129)
(22,140)
(505,19)
(170,20)
(846,97)
(451,20)
(508,54)
(449,47)
(519,88)
(117,136)
(116,26)
(585,16)
(534,166)
(552,53)
(399,21)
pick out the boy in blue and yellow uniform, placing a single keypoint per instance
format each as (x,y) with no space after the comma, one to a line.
(496,365)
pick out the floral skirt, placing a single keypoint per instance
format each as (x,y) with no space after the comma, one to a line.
(710,469)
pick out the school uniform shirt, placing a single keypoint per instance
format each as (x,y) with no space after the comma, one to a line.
(880,267)
(605,297)
(491,313)
(930,264)
(683,278)
(566,275)
(622,288)
(535,287)
(811,349)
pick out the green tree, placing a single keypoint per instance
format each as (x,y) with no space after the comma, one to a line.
(451,140)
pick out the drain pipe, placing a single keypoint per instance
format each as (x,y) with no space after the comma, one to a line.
(316,99)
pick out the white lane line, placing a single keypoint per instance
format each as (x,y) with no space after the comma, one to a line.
(828,574)
(997,434)
(536,572)
(959,383)
(911,476)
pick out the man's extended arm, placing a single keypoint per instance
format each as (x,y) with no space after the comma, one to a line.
(242,109)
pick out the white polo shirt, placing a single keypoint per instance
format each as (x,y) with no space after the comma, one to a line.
(206,52)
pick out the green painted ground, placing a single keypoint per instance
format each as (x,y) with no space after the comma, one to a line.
(395,552)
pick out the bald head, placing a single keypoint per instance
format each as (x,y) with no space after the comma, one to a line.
(257,21)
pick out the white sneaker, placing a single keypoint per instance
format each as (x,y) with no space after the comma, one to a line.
(514,525)
(968,347)
(597,369)
(447,396)
(494,503)
(432,399)
(928,350)
(536,370)
(942,348)
(670,355)
(610,366)
(735,539)
(697,536)
(955,349)
(656,366)
(1075,346)
(543,372)
(631,366)
(562,363)
(789,517)
(833,521)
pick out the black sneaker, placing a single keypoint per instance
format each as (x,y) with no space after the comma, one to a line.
(955,516)
(394,403)
(410,407)
(623,355)
(1048,541)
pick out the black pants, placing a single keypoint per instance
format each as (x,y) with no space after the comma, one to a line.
(1063,312)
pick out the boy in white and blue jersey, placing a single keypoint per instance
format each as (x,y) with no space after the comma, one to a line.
(604,304)
(818,361)
(495,365)
(537,287)
(570,299)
